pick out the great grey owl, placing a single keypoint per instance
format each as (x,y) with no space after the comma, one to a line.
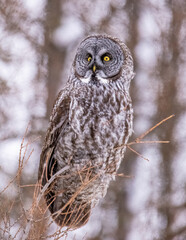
(90,125)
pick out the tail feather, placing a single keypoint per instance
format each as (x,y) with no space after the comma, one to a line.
(72,213)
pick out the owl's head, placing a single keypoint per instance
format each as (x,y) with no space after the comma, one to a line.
(102,59)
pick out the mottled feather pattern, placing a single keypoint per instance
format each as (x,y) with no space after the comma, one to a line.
(90,120)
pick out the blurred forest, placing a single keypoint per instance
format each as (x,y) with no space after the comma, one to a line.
(38,40)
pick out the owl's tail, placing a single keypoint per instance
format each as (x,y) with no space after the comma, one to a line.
(72,214)
(67,210)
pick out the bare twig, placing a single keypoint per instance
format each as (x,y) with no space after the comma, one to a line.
(140,155)
(138,140)
(152,128)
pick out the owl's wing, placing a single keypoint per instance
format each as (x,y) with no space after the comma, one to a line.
(58,121)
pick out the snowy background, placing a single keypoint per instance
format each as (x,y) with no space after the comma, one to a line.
(38,40)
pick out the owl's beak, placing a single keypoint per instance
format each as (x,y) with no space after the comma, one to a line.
(94,68)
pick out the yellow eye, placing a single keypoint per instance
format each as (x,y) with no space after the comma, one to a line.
(89,59)
(106,58)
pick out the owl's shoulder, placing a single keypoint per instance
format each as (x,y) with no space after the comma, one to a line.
(62,100)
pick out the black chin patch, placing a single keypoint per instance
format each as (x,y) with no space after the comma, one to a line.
(94,81)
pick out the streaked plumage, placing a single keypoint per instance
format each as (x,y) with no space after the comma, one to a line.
(91,118)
